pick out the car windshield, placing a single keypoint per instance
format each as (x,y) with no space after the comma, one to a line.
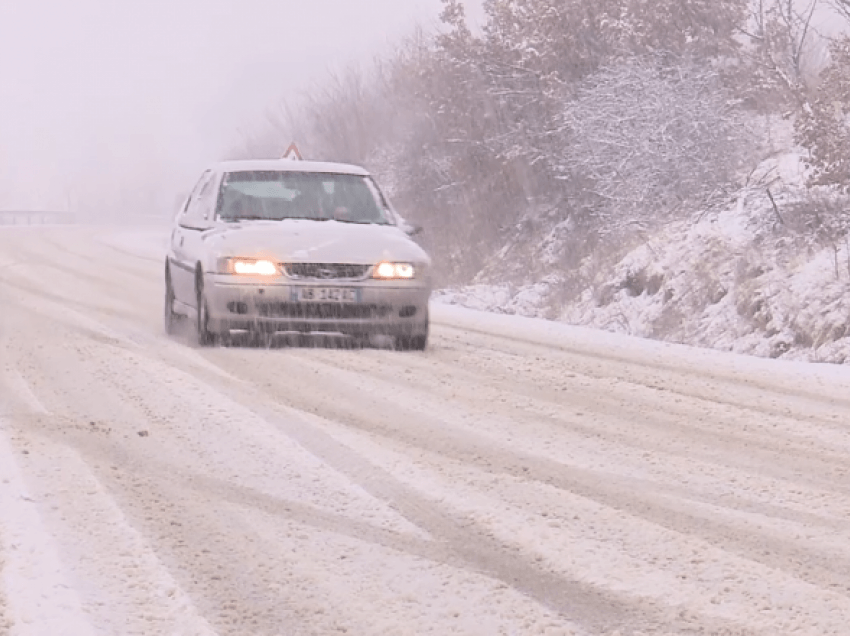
(280,195)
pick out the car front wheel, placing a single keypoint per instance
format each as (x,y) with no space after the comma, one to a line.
(170,318)
(203,336)
(414,341)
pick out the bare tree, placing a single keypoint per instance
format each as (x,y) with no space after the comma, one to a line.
(648,139)
(842,7)
(783,41)
(824,126)
(470,129)
(269,137)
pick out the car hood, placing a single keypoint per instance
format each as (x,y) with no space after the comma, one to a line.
(314,241)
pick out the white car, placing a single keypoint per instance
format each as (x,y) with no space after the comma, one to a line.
(295,246)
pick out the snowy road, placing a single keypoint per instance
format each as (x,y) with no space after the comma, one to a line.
(495,484)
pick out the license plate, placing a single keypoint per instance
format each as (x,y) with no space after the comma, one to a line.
(326,294)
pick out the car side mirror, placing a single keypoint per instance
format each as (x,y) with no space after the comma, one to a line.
(404,226)
(195,224)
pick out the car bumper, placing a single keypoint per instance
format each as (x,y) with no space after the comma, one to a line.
(380,307)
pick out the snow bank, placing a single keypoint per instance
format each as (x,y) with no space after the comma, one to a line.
(633,348)
(742,280)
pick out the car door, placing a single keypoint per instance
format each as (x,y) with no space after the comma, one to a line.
(184,240)
(200,219)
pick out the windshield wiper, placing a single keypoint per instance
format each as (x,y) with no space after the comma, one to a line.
(236,219)
(266,218)
(359,222)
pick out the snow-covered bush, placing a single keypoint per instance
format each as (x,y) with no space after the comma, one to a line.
(649,138)
(824,125)
(821,219)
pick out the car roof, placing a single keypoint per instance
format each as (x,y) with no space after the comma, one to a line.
(289,165)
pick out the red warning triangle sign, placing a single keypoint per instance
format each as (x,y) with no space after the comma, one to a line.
(293,153)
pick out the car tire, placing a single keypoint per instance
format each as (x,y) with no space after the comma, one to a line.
(413,342)
(203,336)
(171,320)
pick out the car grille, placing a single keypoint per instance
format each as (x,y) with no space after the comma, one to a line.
(326,311)
(325,271)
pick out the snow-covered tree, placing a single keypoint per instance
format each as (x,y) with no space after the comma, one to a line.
(473,129)
(702,29)
(842,7)
(782,55)
(824,127)
(571,38)
(648,139)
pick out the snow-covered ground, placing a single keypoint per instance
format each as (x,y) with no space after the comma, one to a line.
(520,477)
(744,279)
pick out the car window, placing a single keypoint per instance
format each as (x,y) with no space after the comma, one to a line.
(200,184)
(379,194)
(279,195)
(187,203)
(195,208)
(206,197)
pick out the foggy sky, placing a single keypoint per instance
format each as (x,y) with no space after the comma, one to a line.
(100,100)
(113,105)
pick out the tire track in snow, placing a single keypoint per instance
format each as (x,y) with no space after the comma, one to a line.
(476,551)
(63,279)
(368,401)
(129,589)
(355,402)
(748,393)
(710,589)
(40,600)
(742,403)
(465,544)
(61,255)
(30,284)
(5,616)
(601,416)
(594,608)
(49,310)
(111,325)
(541,585)
(630,413)
(70,519)
(93,354)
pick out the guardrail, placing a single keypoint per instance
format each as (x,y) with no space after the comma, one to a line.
(36,217)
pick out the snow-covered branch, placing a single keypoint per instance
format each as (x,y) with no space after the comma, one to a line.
(648,137)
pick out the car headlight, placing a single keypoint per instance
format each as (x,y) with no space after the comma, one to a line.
(394,270)
(248,267)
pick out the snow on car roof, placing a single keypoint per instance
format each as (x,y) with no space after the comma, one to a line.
(288,165)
